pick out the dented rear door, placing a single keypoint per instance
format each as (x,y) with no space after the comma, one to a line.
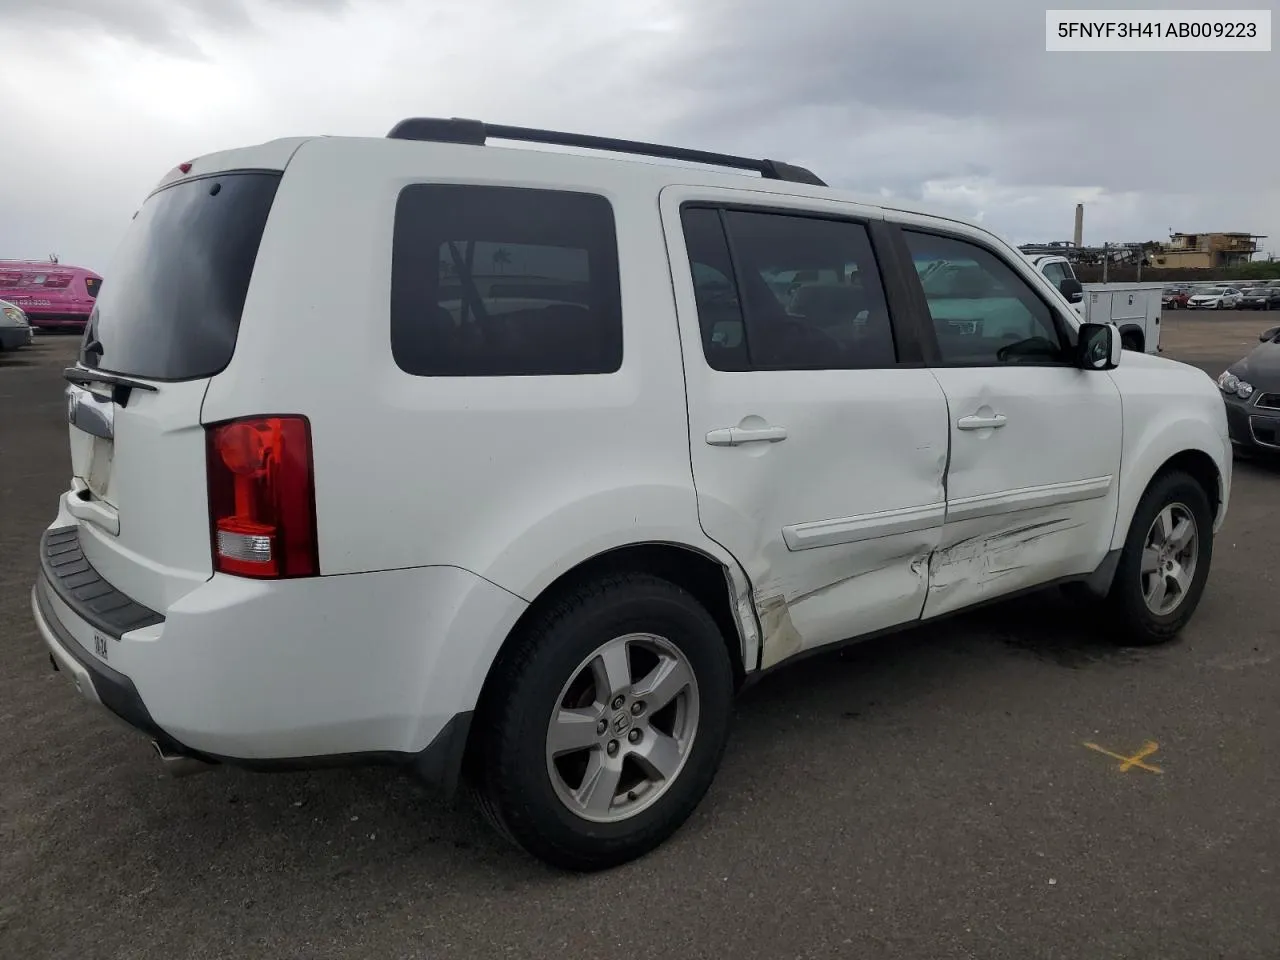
(825,481)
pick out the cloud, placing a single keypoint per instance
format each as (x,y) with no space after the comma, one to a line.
(957,107)
(165,24)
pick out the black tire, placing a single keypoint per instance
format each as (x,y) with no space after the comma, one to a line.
(512,782)
(1130,341)
(1134,622)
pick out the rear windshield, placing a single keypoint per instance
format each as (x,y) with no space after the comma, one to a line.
(170,307)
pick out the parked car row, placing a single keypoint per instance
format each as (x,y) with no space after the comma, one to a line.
(1220,297)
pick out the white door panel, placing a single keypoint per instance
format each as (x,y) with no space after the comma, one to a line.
(834,525)
(1035,442)
(826,484)
(1034,499)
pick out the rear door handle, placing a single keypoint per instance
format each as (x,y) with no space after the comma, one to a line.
(982,423)
(734,436)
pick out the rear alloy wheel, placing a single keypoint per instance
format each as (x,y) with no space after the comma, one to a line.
(615,743)
(1165,563)
(607,723)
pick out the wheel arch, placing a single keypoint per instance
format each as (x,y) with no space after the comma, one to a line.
(1132,332)
(719,584)
(1197,462)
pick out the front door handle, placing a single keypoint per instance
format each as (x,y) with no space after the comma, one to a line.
(982,423)
(734,436)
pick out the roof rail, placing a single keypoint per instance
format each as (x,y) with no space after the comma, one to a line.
(476,133)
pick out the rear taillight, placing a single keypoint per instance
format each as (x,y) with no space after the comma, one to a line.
(262,515)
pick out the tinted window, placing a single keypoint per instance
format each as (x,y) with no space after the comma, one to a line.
(811,293)
(91,284)
(504,281)
(719,311)
(983,312)
(171,307)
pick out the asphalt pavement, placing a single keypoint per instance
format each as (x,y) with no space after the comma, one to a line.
(1002,785)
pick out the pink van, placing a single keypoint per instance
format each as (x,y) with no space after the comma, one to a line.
(53,295)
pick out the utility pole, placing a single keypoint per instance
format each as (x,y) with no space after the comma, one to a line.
(1106,260)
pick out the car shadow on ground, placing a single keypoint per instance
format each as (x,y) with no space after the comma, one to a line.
(341,827)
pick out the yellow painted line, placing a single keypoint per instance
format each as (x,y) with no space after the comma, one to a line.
(1127,763)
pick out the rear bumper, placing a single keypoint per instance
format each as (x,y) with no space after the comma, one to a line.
(362,669)
(95,681)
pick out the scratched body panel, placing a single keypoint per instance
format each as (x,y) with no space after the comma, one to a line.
(1035,499)
(976,562)
(848,590)
(861,446)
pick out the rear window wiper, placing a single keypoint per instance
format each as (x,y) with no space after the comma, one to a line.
(121,386)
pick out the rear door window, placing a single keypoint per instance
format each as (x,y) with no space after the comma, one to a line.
(170,307)
(504,282)
(715,291)
(781,291)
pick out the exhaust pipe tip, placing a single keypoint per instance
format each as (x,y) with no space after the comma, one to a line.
(179,765)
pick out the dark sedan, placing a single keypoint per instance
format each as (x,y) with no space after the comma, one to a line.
(1251,390)
(1260,298)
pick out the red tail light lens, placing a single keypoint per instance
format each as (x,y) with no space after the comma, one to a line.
(262,514)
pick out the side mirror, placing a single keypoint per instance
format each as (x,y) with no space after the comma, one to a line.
(1072,289)
(1099,347)
(1271,334)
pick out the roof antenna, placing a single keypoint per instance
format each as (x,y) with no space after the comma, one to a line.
(53,258)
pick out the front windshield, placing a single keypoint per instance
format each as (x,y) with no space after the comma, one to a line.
(1212,292)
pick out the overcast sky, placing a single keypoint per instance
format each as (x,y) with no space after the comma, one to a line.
(954,104)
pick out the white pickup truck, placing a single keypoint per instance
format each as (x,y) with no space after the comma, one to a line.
(1133,307)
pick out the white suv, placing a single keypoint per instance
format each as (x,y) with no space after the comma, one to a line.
(511,466)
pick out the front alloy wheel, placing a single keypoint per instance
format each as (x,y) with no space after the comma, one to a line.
(1165,560)
(1169,559)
